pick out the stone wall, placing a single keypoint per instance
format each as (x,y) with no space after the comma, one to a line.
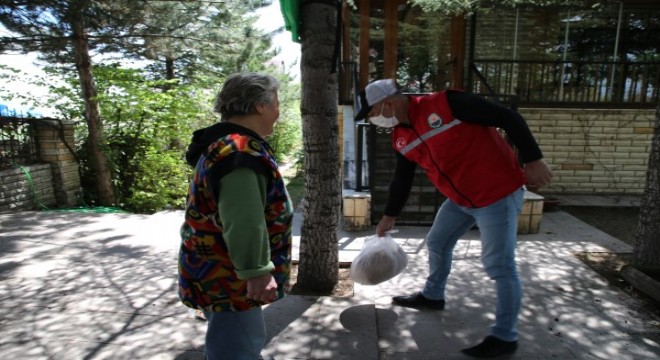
(26,188)
(594,151)
(51,137)
(52,182)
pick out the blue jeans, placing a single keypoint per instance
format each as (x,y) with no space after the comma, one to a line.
(498,224)
(235,335)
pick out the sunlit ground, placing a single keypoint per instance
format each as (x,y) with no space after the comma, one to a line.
(103,286)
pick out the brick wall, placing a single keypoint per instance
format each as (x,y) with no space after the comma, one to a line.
(26,188)
(51,137)
(594,151)
(53,182)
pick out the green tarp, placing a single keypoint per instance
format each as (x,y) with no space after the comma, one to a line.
(291,12)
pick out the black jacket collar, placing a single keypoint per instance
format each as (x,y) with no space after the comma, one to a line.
(203,138)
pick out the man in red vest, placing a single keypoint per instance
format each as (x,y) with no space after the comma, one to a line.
(453,137)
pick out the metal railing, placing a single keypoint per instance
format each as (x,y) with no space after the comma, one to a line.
(348,95)
(17,142)
(625,84)
(361,164)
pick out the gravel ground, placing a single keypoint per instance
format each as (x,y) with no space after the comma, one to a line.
(620,222)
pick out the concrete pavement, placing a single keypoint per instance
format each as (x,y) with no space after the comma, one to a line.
(103,286)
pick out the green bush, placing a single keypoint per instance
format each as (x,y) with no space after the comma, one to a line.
(162,182)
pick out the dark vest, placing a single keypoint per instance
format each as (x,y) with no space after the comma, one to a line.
(207,279)
(471,164)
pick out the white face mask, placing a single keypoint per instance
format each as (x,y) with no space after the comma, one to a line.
(384,121)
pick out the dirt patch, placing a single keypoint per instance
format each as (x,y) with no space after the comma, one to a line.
(608,265)
(619,222)
(344,287)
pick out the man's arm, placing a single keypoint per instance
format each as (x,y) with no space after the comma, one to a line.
(404,174)
(475,109)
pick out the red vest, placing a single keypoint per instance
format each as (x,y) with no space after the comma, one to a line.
(471,164)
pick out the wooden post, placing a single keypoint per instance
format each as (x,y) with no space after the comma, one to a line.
(345,91)
(346,32)
(364,43)
(390,49)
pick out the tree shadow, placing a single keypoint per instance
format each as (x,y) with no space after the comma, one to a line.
(568,310)
(84,286)
(90,286)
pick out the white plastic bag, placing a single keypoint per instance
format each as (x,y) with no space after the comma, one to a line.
(379,260)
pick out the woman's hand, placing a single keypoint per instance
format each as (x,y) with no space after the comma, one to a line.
(262,288)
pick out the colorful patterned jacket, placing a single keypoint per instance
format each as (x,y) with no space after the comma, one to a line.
(207,279)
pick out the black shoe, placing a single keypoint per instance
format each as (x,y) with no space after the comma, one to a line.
(418,301)
(491,347)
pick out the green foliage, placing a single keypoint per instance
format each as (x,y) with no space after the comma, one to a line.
(47,26)
(421,52)
(140,120)
(147,127)
(287,136)
(160,182)
(148,114)
(189,40)
(455,7)
(146,130)
(295,186)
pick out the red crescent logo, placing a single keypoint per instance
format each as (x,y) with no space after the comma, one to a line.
(400,143)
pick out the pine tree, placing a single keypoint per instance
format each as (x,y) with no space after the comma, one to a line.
(318,269)
(67,32)
(198,39)
(187,40)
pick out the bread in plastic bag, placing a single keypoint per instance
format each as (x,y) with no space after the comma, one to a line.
(379,260)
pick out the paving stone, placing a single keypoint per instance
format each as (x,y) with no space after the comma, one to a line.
(103,286)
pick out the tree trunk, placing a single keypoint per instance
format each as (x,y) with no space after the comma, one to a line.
(318,268)
(169,68)
(646,254)
(92,114)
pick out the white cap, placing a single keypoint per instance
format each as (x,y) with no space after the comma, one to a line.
(379,90)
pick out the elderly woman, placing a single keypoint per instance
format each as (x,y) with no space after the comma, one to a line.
(235,252)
